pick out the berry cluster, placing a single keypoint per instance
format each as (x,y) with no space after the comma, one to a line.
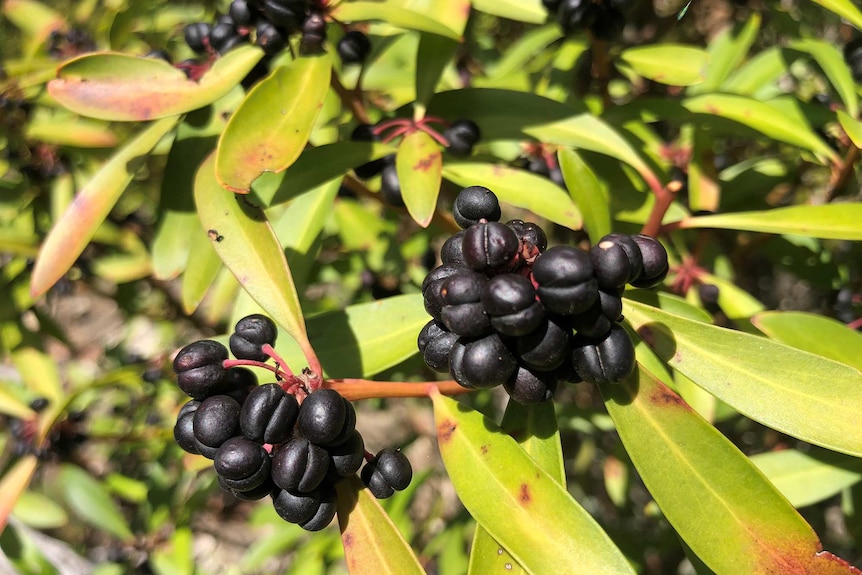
(603,18)
(509,311)
(853,58)
(460,136)
(541,163)
(264,441)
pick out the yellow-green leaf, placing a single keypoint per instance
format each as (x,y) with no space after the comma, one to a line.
(13,484)
(269,130)
(806,478)
(845,9)
(814,333)
(391,14)
(419,164)
(587,192)
(673,64)
(830,221)
(852,127)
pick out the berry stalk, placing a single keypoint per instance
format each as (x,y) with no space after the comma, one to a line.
(356,389)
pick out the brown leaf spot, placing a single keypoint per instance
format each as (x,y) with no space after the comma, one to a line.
(524,496)
(664,397)
(427,162)
(347,540)
(484,449)
(445,430)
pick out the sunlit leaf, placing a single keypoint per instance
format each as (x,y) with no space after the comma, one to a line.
(269,130)
(120,87)
(830,221)
(519,188)
(704,486)
(39,511)
(91,502)
(852,127)
(806,478)
(673,64)
(77,132)
(777,385)
(201,270)
(587,193)
(372,543)
(71,234)
(175,556)
(726,53)
(434,53)
(245,242)
(517,502)
(529,11)
(830,59)
(13,484)
(527,47)
(392,14)
(845,9)
(811,332)
(35,19)
(419,164)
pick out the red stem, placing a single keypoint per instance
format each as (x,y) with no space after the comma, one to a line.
(279,361)
(356,389)
(855,324)
(279,374)
(434,134)
(398,132)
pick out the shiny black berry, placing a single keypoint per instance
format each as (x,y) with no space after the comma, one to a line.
(223,37)
(250,334)
(462,135)
(215,421)
(270,38)
(197,36)
(390,186)
(528,386)
(269,414)
(389,471)
(285,15)
(529,233)
(242,464)
(254,494)
(353,47)
(546,347)
(239,382)
(325,512)
(326,418)
(475,203)
(431,286)
(347,458)
(655,264)
(313,33)
(295,507)
(616,261)
(575,15)
(511,304)
(481,363)
(452,252)
(299,465)
(200,370)
(241,13)
(184,428)
(610,360)
(564,280)
(490,246)
(435,342)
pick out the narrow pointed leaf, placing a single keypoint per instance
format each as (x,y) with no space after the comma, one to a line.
(71,234)
(367,338)
(33,18)
(71,131)
(529,11)
(830,59)
(269,130)
(524,49)
(726,53)
(372,543)
(419,164)
(673,64)
(587,193)
(517,502)
(120,87)
(39,511)
(807,478)
(779,386)
(201,270)
(13,484)
(811,332)
(763,117)
(844,8)
(830,221)
(249,248)
(391,14)
(11,405)
(90,501)
(704,486)
(434,53)
(852,127)
(534,427)
(546,199)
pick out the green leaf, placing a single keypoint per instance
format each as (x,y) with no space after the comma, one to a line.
(807,478)
(70,131)
(39,373)
(269,130)
(534,427)
(760,71)
(704,486)
(419,164)
(392,14)
(39,511)
(73,231)
(831,221)
(845,9)
(516,501)
(90,501)
(672,64)
(831,61)
(177,556)
(33,18)
(763,117)
(249,248)
(529,11)
(12,406)
(367,338)
(516,56)
(813,333)
(519,188)
(434,53)
(784,388)
(120,87)
(372,543)
(201,270)
(13,484)
(317,166)
(726,53)
(587,192)
(852,127)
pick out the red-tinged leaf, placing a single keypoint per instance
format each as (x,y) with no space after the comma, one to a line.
(830,221)
(119,87)
(372,543)
(534,427)
(784,388)
(704,486)
(419,164)
(391,14)
(811,332)
(516,501)
(13,484)
(246,243)
(269,130)
(71,234)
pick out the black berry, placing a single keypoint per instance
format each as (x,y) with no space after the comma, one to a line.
(462,135)
(250,334)
(199,368)
(269,414)
(528,386)
(510,302)
(481,363)
(324,417)
(435,343)
(655,264)
(476,203)
(610,360)
(564,280)
(242,464)
(353,47)
(215,421)
(389,471)
(299,465)
(490,246)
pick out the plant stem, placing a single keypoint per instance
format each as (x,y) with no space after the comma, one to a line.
(279,374)
(663,199)
(349,99)
(356,389)
(279,361)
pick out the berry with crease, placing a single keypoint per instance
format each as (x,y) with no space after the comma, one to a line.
(510,302)
(528,386)
(325,416)
(609,360)
(269,414)
(490,246)
(435,344)
(389,471)
(463,312)
(241,464)
(353,47)
(215,421)
(546,347)
(564,280)
(197,36)
(199,368)
(250,334)
(481,363)
(655,264)
(299,465)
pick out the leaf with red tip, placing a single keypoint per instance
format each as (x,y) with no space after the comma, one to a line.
(269,130)
(705,487)
(120,87)
(516,501)
(244,240)
(76,227)
(372,543)
(419,164)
